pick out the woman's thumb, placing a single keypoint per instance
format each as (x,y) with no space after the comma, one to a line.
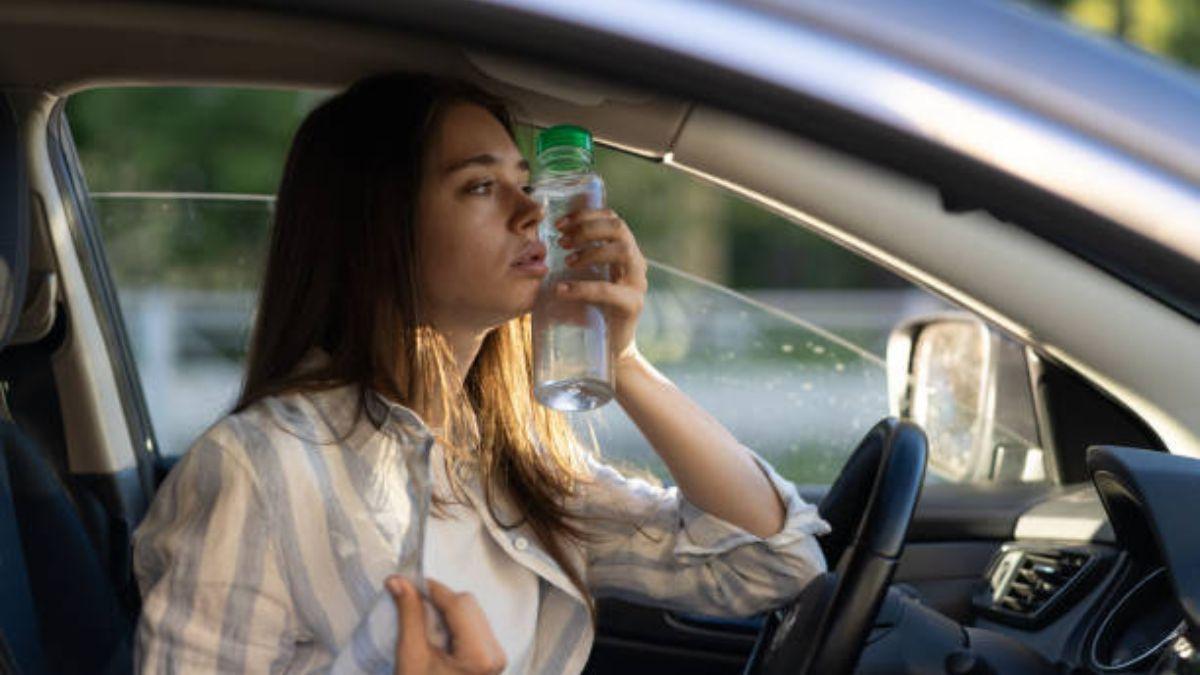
(412,648)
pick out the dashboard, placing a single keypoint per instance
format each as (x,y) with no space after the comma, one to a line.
(1101,578)
(1068,588)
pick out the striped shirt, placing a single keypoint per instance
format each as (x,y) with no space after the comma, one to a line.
(266,548)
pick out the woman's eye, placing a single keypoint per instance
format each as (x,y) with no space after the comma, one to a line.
(485,187)
(480,188)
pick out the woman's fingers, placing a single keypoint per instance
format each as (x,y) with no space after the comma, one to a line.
(595,225)
(601,236)
(475,648)
(625,299)
(414,654)
(621,255)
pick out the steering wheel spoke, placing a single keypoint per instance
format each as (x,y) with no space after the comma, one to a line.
(869,507)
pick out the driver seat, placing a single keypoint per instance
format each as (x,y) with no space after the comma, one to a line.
(60,610)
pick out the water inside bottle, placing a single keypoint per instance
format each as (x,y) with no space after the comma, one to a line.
(572,353)
(574,395)
(572,370)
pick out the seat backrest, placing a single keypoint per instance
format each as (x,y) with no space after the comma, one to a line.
(77,608)
(59,608)
(18,616)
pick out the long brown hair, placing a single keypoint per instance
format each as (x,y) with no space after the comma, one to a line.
(342,275)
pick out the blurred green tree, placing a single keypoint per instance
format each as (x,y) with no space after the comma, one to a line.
(231,140)
(1166,28)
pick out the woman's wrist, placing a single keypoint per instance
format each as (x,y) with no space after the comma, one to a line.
(628,360)
(627,365)
(628,355)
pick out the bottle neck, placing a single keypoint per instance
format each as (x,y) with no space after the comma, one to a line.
(560,160)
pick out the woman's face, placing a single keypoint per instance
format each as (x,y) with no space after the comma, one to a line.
(481,261)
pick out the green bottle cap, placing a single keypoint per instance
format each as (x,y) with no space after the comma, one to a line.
(564,135)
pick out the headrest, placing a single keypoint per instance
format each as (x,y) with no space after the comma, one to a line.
(14,224)
(37,318)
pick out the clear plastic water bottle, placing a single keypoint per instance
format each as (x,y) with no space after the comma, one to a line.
(572,369)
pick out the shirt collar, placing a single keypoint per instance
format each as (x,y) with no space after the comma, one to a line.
(338,408)
(337,405)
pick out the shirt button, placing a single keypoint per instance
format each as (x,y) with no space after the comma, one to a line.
(520,543)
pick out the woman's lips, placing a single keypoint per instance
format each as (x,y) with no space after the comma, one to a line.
(534,267)
(532,259)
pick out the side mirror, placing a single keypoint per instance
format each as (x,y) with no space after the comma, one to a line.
(969,389)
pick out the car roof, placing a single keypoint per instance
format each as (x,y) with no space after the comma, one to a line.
(157,43)
(1129,99)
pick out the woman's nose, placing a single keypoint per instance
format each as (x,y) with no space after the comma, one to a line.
(528,213)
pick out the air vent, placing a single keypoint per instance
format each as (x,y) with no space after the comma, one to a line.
(1028,586)
(1038,578)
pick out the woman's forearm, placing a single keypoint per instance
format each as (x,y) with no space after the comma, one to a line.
(709,465)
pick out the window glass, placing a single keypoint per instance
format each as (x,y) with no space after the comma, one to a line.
(181,183)
(778,333)
(186,269)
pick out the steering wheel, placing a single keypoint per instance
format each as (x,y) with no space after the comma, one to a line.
(823,630)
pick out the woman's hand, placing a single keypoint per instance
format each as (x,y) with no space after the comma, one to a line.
(601,236)
(473,648)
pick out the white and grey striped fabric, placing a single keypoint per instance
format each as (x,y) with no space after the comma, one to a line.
(266,548)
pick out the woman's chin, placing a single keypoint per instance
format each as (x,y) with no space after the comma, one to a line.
(528,298)
(517,311)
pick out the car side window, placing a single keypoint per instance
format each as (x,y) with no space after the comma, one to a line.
(186,273)
(181,183)
(778,333)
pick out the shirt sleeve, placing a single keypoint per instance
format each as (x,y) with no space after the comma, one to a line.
(653,546)
(214,594)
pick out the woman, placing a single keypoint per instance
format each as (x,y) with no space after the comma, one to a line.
(392,339)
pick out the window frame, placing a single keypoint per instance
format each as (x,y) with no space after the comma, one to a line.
(81,221)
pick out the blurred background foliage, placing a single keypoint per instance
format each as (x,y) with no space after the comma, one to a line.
(1168,28)
(234,141)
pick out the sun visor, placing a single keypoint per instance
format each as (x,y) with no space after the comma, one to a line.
(631,120)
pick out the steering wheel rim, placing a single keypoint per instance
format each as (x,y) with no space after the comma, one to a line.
(870,506)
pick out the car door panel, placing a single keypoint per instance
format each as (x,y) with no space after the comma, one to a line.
(633,639)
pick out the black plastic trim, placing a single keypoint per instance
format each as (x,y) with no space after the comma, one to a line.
(962,512)
(1098,560)
(633,639)
(14,221)
(712,625)
(1144,658)
(1080,415)
(1150,498)
(621,619)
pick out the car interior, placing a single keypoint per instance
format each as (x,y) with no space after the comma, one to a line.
(1087,569)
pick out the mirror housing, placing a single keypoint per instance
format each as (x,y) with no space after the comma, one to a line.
(971,390)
